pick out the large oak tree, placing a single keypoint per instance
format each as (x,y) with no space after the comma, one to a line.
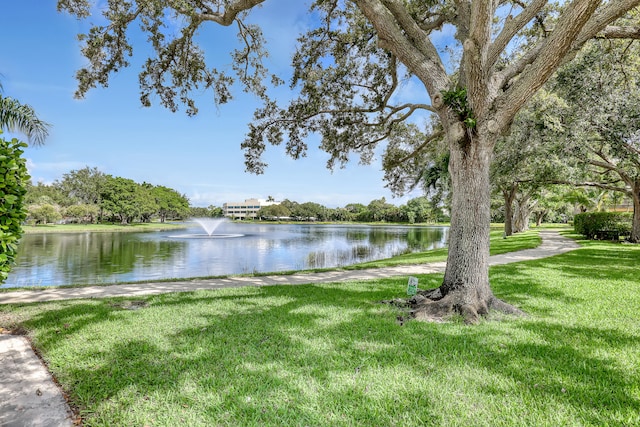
(348,72)
(602,87)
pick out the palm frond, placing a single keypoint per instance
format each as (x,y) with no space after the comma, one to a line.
(17,117)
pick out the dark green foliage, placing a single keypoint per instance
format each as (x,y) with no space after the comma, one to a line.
(170,203)
(603,225)
(274,211)
(13,181)
(208,212)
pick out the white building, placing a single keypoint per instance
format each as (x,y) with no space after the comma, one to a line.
(247,209)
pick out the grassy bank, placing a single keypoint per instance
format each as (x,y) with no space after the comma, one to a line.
(331,355)
(99,228)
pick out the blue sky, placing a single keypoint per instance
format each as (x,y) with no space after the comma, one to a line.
(198,156)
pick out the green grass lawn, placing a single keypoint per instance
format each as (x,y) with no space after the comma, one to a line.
(330,355)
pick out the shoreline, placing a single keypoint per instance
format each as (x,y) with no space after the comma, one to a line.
(102,228)
(157,226)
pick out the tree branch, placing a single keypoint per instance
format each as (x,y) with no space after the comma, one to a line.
(230,12)
(395,31)
(594,184)
(552,52)
(605,16)
(430,138)
(501,79)
(635,154)
(616,32)
(608,165)
(511,28)
(475,55)
(435,24)
(596,27)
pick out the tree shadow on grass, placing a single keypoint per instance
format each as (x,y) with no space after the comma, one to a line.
(611,262)
(575,367)
(520,284)
(330,355)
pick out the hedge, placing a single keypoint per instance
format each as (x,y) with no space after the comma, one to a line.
(603,225)
(13,179)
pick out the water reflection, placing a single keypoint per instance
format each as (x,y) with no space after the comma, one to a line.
(57,259)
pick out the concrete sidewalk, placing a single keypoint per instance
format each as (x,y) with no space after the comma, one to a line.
(29,396)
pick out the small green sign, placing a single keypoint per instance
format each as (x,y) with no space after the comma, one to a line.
(412,287)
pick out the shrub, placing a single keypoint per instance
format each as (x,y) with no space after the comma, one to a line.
(603,225)
(85,213)
(44,213)
(13,181)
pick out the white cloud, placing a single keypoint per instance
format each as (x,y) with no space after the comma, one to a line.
(47,172)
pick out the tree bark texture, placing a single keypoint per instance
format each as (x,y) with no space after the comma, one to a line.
(635,228)
(522,215)
(470,217)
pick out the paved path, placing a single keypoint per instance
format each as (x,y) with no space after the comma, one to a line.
(28,395)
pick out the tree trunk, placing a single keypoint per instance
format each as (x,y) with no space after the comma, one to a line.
(509,196)
(635,228)
(522,214)
(465,289)
(540,216)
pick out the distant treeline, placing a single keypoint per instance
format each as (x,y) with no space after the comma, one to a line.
(420,209)
(90,196)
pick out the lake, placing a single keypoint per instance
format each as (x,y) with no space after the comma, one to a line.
(93,258)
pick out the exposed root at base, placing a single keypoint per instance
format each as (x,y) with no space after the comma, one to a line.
(431,306)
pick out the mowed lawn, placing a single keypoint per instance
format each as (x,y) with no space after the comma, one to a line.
(331,355)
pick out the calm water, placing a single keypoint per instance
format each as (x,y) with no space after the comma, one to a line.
(59,259)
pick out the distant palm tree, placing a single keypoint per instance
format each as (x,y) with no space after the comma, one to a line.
(17,117)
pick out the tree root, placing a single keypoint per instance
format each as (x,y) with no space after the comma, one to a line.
(506,308)
(433,306)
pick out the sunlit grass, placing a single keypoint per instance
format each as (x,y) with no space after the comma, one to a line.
(331,355)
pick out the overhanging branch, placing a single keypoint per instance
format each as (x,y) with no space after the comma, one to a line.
(230,13)
(608,187)
(430,138)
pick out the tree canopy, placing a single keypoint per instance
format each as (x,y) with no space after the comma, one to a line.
(349,71)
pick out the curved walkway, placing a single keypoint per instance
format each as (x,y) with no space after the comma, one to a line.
(29,397)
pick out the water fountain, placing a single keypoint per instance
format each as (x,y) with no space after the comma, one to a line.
(209,225)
